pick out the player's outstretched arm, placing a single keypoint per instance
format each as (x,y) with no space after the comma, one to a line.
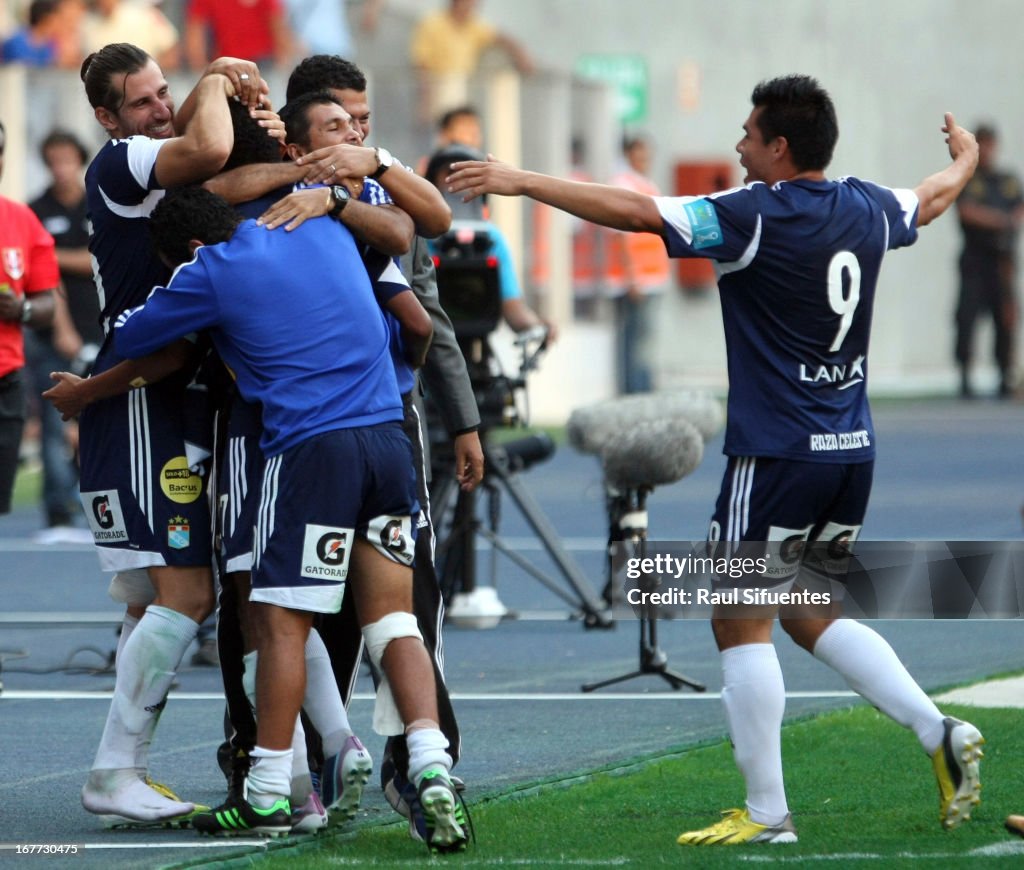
(598,203)
(939,191)
(71,394)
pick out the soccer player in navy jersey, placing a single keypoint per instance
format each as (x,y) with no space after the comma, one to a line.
(143,500)
(338,486)
(797,257)
(445,377)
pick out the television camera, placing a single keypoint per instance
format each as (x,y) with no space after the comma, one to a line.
(469,287)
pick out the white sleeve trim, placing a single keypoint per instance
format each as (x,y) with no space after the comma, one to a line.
(392,274)
(673,213)
(142,154)
(909,204)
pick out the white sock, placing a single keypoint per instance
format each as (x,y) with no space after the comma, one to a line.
(301,782)
(754,698)
(149,661)
(249,661)
(127,627)
(269,777)
(322,701)
(426,750)
(873,670)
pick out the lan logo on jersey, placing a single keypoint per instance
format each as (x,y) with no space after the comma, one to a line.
(325,552)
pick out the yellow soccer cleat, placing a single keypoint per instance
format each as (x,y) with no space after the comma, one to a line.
(184,821)
(736,828)
(956,764)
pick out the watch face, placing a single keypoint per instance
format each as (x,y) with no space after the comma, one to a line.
(384,156)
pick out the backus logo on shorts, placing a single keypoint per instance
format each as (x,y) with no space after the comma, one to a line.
(178,533)
(325,552)
(392,536)
(106,520)
(179,482)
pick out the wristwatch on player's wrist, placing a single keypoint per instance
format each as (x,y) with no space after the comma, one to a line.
(26,311)
(384,162)
(339,199)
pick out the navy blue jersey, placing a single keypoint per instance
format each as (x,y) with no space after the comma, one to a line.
(305,339)
(797,267)
(121,192)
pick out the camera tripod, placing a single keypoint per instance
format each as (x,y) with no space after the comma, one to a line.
(502,464)
(631,520)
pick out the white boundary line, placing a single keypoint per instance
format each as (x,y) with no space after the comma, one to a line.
(56,695)
(999,849)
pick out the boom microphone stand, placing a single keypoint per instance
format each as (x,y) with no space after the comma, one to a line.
(653,659)
(637,453)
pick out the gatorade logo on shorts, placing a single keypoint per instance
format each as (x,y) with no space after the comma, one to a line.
(392,536)
(325,552)
(785,548)
(179,483)
(106,519)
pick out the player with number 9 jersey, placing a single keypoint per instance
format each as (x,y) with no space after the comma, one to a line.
(797,265)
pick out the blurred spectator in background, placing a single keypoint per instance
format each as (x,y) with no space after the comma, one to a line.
(458,126)
(255,30)
(991,208)
(321,26)
(638,274)
(28,276)
(76,333)
(587,261)
(139,23)
(51,37)
(445,50)
(516,313)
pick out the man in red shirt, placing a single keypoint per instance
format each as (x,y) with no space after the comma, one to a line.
(28,275)
(254,29)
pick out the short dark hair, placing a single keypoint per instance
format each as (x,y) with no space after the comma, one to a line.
(40,10)
(320,71)
(188,213)
(252,144)
(58,137)
(443,158)
(798,108)
(985,133)
(466,111)
(100,67)
(631,140)
(295,114)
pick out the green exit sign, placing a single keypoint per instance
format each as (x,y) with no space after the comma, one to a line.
(627,74)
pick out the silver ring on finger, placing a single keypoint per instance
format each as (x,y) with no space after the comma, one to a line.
(333,169)
(244,77)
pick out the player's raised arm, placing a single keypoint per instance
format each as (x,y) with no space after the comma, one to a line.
(598,203)
(939,191)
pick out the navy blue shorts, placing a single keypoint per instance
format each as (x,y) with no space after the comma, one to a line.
(144,505)
(316,498)
(786,504)
(238,485)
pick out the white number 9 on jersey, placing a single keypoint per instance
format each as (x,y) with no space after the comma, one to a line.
(843,305)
